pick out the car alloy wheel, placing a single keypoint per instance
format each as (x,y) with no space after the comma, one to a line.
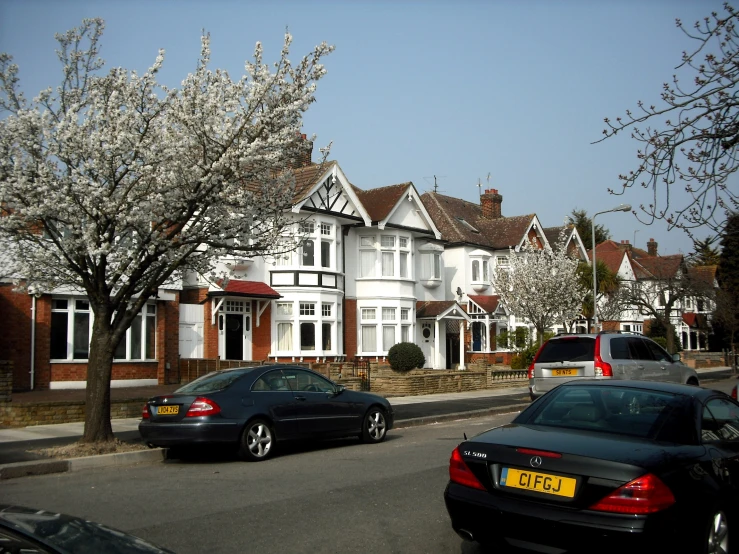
(375,425)
(257,441)
(718,534)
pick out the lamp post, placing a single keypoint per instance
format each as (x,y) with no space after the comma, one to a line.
(619,208)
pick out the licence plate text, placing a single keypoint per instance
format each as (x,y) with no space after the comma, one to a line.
(563,372)
(168,410)
(539,482)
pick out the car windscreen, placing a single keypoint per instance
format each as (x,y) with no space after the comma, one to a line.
(218,380)
(621,410)
(574,349)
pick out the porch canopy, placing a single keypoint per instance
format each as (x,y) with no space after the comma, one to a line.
(261,292)
(486,310)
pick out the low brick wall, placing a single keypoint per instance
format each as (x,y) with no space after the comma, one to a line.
(440,381)
(6,381)
(46,413)
(698,360)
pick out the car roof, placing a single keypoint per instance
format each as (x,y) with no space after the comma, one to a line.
(659,386)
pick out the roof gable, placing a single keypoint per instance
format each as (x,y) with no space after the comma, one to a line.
(325,188)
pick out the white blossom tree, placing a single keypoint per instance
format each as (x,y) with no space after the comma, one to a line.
(114,184)
(541,284)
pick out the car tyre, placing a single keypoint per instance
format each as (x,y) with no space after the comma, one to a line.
(257,441)
(374,427)
(716,536)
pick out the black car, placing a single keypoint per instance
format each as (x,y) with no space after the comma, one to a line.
(254,407)
(28,531)
(601,466)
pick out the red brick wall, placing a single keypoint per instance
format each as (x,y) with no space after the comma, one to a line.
(15,338)
(43,343)
(350,328)
(210,332)
(70,371)
(261,337)
(168,342)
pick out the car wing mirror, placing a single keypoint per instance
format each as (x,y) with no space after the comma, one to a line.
(338,389)
(676,357)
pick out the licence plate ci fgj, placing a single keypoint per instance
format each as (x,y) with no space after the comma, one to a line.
(168,410)
(539,482)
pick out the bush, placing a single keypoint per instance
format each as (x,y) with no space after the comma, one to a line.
(405,356)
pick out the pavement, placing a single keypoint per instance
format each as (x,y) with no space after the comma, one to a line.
(16,460)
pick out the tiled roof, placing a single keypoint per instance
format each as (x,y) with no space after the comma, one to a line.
(460,221)
(612,260)
(704,274)
(433,308)
(485,301)
(252,289)
(379,201)
(695,320)
(662,267)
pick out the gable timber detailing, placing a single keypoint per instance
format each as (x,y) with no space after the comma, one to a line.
(330,197)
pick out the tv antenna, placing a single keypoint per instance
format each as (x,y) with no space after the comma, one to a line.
(436,182)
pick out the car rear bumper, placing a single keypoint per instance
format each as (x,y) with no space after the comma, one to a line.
(478,516)
(181,433)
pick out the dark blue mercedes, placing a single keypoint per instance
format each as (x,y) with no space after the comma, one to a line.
(255,407)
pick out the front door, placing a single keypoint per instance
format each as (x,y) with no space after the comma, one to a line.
(427,343)
(236,330)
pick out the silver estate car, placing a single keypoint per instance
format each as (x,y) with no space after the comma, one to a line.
(606,355)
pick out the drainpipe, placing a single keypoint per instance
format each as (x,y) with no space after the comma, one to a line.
(33,338)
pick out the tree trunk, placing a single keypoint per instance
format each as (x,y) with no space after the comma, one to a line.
(670,332)
(99,372)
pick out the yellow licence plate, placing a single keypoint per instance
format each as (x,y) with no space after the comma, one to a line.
(168,410)
(563,372)
(539,482)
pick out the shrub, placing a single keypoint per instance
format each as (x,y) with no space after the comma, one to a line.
(405,356)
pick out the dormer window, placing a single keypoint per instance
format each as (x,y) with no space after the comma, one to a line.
(480,270)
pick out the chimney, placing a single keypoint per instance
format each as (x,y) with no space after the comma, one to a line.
(625,246)
(306,152)
(491,202)
(652,247)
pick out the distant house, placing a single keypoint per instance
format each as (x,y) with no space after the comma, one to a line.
(655,276)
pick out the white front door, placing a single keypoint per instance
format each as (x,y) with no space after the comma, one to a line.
(428,341)
(235,330)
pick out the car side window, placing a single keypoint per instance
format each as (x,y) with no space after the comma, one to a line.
(271,381)
(639,350)
(658,352)
(620,349)
(720,421)
(307,381)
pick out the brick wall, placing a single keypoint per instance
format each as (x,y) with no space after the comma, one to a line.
(45,413)
(261,336)
(6,381)
(350,327)
(15,339)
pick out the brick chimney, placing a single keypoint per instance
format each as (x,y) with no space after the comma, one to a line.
(491,202)
(652,247)
(625,246)
(306,153)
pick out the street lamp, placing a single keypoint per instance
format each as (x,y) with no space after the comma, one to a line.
(619,208)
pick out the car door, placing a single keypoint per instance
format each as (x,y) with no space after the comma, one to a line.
(720,435)
(646,367)
(320,409)
(667,369)
(624,366)
(271,394)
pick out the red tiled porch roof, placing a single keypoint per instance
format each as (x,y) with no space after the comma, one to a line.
(485,301)
(252,289)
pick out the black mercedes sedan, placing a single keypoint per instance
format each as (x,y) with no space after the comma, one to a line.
(604,466)
(255,407)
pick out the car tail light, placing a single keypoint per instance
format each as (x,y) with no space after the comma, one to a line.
(645,495)
(461,474)
(542,453)
(733,393)
(602,369)
(531,367)
(203,407)
(145,411)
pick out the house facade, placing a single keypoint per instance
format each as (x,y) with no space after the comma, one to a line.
(656,278)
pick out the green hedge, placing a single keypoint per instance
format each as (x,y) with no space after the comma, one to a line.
(405,356)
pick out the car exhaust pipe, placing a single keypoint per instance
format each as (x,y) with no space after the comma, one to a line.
(465,534)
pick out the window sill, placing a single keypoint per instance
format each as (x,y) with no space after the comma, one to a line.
(431,283)
(480,286)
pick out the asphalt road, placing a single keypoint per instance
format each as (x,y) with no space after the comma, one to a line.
(337,496)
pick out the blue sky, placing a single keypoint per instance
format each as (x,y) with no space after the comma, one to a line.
(516,90)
